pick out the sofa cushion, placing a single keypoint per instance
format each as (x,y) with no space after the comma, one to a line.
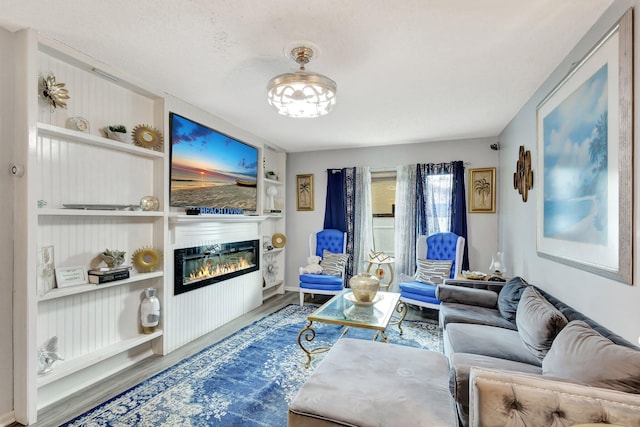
(419,288)
(419,292)
(320,282)
(488,341)
(463,313)
(470,296)
(509,297)
(333,264)
(572,314)
(538,322)
(581,354)
(461,364)
(433,271)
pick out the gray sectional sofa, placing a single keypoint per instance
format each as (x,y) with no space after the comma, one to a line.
(516,333)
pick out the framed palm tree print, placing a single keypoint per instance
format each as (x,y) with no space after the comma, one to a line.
(304,192)
(482,190)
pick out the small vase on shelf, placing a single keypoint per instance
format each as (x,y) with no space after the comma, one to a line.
(150,311)
(118,133)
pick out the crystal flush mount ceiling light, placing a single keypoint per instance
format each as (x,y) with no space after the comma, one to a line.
(302,94)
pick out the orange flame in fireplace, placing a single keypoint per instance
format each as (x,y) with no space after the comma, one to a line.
(214,270)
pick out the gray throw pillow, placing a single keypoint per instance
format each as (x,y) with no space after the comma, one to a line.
(581,354)
(333,264)
(433,271)
(509,297)
(538,322)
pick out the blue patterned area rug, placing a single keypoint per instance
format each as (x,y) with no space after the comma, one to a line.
(246,379)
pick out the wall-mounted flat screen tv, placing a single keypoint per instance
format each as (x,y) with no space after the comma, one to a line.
(210,169)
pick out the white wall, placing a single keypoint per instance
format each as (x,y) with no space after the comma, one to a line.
(611,303)
(6,228)
(482,228)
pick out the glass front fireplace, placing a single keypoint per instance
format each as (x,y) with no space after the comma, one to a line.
(201,266)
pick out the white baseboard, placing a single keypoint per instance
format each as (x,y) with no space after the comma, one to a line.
(7,418)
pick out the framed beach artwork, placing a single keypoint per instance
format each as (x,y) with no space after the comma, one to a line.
(482,190)
(304,192)
(584,128)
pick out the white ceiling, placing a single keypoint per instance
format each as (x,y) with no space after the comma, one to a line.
(407,70)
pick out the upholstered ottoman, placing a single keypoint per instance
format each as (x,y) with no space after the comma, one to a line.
(367,383)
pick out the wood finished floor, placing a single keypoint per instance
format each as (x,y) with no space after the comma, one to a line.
(84,400)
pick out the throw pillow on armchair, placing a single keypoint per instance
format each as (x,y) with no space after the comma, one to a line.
(333,264)
(433,271)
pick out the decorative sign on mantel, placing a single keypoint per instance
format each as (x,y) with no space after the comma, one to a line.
(214,211)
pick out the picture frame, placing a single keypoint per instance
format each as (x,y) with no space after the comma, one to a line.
(46,279)
(304,192)
(482,190)
(71,276)
(585,153)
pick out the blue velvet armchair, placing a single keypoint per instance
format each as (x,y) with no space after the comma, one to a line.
(439,246)
(333,241)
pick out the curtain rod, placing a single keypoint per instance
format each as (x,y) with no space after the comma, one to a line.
(385,169)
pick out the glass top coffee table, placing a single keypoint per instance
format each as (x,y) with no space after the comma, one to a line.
(344,310)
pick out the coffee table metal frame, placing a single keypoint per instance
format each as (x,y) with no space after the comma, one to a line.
(339,310)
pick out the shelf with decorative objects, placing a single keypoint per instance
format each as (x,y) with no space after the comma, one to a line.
(66,368)
(89,287)
(272,251)
(269,181)
(57,133)
(100,212)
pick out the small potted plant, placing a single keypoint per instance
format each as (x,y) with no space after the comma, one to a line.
(118,133)
(271,175)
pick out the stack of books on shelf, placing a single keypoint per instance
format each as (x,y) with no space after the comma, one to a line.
(105,274)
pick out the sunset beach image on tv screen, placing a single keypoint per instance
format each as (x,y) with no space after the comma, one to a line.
(210,169)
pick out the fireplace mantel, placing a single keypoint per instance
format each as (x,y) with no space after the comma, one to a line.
(184,218)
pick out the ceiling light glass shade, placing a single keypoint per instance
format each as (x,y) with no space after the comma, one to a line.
(302,94)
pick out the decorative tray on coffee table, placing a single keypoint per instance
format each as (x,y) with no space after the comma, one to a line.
(352,298)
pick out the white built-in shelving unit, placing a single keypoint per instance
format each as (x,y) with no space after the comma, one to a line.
(274,161)
(97,326)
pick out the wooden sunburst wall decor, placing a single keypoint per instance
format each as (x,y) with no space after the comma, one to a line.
(523,176)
